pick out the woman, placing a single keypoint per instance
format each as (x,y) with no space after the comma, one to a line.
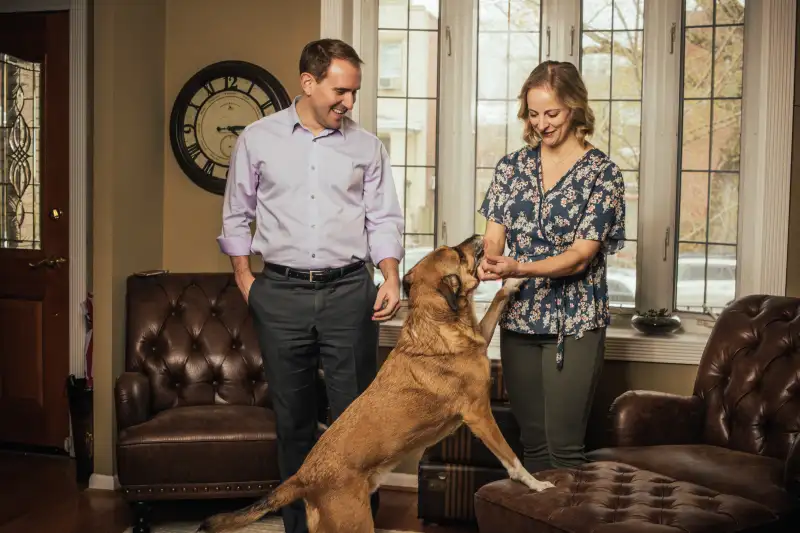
(558,203)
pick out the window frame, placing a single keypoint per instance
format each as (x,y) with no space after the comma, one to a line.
(765,160)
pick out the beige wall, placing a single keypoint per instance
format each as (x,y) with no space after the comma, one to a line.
(200,32)
(128,185)
(147,214)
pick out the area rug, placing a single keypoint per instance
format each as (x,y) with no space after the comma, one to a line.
(269,525)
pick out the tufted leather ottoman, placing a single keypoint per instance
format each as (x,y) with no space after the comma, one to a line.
(614,497)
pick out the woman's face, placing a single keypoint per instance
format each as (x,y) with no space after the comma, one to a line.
(548,116)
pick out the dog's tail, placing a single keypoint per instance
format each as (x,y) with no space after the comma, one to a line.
(287,492)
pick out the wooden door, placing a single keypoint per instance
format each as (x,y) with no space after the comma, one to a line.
(34,228)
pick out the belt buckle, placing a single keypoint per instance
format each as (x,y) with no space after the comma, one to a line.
(311,274)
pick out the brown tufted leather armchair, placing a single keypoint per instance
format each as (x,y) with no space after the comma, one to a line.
(725,459)
(193,413)
(739,432)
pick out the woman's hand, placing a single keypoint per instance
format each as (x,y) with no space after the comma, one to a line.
(500,267)
(484,274)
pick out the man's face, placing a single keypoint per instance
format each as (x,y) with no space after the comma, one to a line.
(335,94)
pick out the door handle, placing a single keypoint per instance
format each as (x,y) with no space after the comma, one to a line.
(52,262)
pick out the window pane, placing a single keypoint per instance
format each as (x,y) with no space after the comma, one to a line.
(621,276)
(694,207)
(419,213)
(421,133)
(20,154)
(597,14)
(408,58)
(424,15)
(424,65)
(392,63)
(393,14)
(612,49)
(723,208)
(710,146)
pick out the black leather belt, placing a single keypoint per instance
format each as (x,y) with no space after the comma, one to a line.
(322,275)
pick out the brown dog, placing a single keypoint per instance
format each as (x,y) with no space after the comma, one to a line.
(435,379)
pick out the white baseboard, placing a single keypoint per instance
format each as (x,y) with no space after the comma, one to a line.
(103,482)
(399,481)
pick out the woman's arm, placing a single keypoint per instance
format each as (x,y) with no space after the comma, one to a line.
(572,261)
(494,240)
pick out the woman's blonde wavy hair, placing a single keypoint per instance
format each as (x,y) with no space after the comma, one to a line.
(567,84)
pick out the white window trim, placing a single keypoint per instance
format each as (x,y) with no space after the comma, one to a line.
(766,149)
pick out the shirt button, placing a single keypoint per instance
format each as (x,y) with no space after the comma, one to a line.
(313,255)
(313,226)
(313,167)
(312,196)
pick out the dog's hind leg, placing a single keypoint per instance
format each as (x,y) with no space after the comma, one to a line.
(345,508)
(481,422)
(492,315)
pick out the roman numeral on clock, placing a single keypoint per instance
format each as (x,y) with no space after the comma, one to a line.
(208,168)
(194,150)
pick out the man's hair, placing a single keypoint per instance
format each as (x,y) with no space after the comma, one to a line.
(317,56)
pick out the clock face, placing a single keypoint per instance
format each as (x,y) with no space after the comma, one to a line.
(210,112)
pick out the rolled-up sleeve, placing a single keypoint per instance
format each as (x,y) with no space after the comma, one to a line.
(239,203)
(384,222)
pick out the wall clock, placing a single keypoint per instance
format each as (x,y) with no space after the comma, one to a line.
(212,109)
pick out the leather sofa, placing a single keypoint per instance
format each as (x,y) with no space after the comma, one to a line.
(193,410)
(726,458)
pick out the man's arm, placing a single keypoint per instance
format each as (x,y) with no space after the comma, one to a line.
(238,210)
(385,228)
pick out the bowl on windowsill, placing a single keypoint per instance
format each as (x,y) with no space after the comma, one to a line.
(656,322)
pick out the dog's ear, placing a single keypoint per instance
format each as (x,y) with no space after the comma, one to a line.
(408,279)
(450,288)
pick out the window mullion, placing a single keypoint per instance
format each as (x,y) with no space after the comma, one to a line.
(658,164)
(455,188)
(561,20)
(365,42)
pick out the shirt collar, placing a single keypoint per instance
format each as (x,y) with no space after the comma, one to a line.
(294,121)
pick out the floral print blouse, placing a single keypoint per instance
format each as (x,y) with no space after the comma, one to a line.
(586,203)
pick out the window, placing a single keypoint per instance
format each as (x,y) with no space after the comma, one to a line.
(655,70)
(713,51)
(407,89)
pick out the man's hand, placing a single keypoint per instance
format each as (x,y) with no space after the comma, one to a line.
(388,301)
(245,282)
(244,278)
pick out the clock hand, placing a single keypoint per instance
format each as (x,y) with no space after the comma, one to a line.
(236,130)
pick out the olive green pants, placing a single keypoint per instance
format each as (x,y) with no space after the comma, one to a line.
(552,406)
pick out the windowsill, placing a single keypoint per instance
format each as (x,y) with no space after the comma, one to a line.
(623,343)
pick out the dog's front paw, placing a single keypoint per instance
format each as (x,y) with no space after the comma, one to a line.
(536,485)
(512,285)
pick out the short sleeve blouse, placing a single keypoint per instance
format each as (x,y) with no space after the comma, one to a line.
(586,203)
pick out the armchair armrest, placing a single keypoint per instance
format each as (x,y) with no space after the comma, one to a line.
(791,473)
(132,399)
(650,418)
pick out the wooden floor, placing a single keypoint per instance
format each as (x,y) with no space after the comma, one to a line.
(38,494)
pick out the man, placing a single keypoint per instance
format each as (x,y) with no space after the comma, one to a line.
(321,192)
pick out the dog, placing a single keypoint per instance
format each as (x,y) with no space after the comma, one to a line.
(435,379)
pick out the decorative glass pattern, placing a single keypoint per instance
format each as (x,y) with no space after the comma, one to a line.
(20,154)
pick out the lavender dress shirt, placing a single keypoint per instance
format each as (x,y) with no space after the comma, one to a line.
(318,202)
